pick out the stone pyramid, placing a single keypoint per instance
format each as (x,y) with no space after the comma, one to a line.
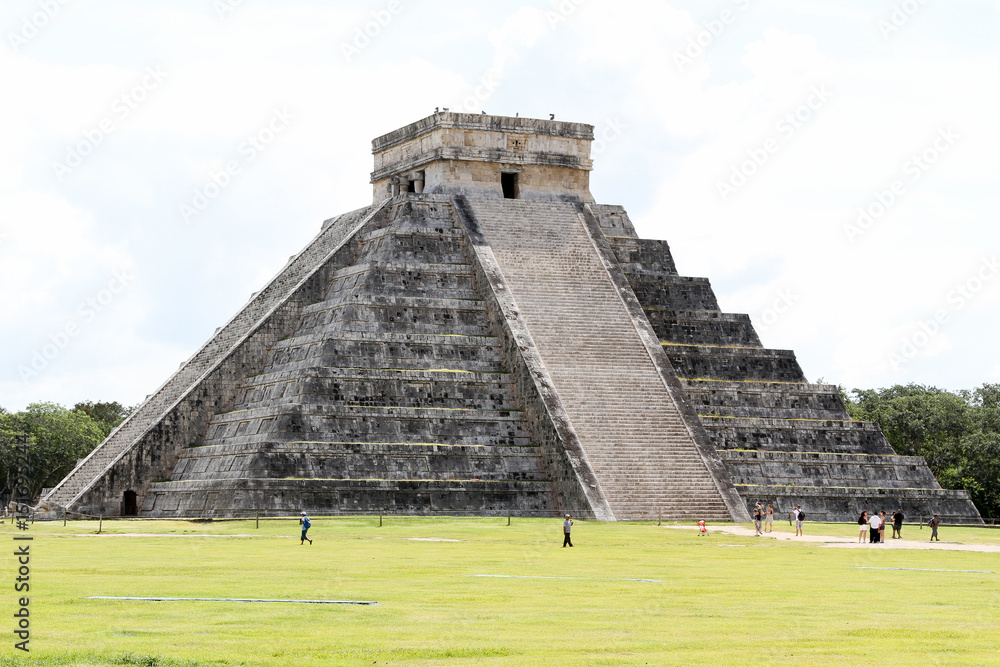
(485,338)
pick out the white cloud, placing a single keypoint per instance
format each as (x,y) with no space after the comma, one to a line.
(684,132)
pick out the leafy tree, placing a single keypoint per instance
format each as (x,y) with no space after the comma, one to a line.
(57,438)
(958,433)
(107,415)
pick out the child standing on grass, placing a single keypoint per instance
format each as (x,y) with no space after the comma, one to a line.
(305,523)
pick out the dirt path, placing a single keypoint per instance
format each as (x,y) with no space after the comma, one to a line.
(849,542)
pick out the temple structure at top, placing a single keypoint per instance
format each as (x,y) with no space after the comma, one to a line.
(484,338)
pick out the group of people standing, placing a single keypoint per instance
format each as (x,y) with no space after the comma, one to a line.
(763,518)
(873,526)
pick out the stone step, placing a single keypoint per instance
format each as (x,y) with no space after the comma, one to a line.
(404,279)
(765,399)
(702,327)
(673,292)
(613,220)
(695,362)
(642,256)
(443,230)
(495,393)
(830,470)
(385,461)
(327,496)
(797,435)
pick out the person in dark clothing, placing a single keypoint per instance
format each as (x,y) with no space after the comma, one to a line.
(897,524)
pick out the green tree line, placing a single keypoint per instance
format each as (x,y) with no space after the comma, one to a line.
(958,433)
(56,437)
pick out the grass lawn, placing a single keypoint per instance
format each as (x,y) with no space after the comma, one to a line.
(720,600)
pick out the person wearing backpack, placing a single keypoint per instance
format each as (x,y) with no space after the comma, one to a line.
(800,516)
(934,523)
(306,524)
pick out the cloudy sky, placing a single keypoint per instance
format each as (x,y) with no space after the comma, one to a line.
(831,166)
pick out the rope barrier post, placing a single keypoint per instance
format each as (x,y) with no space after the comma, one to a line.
(380,519)
(659,515)
(64,517)
(100,524)
(258,517)
(508,516)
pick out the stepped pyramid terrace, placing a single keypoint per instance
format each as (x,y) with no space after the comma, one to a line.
(484,338)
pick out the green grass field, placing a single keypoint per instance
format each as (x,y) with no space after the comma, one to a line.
(721,600)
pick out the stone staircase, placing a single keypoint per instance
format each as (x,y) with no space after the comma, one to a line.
(633,434)
(390,395)
(783,440)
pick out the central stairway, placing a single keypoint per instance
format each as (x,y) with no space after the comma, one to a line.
(633,433)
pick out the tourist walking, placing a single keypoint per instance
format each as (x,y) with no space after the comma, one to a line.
(306,524)
(873,523)
(897,524)
(934,523)
(863,526)
(758,516)
(881,527)
(567,527)
(769,519)
(800,516)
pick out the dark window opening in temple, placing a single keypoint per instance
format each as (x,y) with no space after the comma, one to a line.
(509,184)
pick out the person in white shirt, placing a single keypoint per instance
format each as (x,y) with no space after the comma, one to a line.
(567,526)
(799,518)
(875,522)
